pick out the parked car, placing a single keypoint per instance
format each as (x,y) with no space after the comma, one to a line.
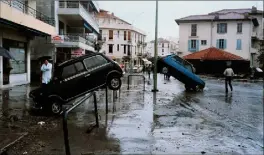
(75,78)
(181,70)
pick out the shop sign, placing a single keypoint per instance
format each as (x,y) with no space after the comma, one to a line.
(77,52)
(57,39)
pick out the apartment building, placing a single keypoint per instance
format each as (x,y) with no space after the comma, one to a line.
(20,23)
(76,28)
(121,40)
(165,47)
(237,31)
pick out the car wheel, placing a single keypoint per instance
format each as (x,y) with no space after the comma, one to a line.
(56,107)
(187,88)
(164,70)
(114,83)
(198,88)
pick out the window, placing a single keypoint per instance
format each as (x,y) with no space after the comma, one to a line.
(19,64)
(135,37)
(118,34)
(239,27)
(193,44)
(168,45)
(68,71)
(110,48)
(238,45)
(124,35)
(117,47)
(221,43)
(162,50)
(100,60)
(162,44)
(100,31)
(128,49)
(203,42)
(222,28)
(124,49)
(193,30)
(129,35)
(110,34)
(79,67)
(90,63)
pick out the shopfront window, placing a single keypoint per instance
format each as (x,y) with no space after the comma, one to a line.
(19,64)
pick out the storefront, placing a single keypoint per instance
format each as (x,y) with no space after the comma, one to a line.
(15,71)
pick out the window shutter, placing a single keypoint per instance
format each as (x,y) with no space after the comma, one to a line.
(189,45)
(217,43)
(224,43)
(238,44)
(197,45)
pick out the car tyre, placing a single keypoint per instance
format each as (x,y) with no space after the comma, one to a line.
(187,88)
(55,107)
(114,83)
(198,88)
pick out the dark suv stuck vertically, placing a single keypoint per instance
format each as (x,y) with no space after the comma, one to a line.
(75,78)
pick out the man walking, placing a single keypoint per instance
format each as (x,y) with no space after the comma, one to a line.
(46,70)
(229,73)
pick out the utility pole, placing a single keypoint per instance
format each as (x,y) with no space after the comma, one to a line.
(156,51)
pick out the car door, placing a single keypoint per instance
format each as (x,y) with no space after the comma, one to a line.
(103,68)
(91,76)
(70,83)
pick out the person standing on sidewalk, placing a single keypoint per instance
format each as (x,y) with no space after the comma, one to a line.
(229,73)
(149,68)
(46,70)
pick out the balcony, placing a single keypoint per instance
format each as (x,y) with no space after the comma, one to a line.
(139,43)
(74,40)
(19,13)
(74,13)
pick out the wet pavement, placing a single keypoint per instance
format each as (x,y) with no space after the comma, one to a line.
(169,121)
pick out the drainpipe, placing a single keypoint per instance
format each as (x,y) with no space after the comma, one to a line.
(211,33)
(249,48)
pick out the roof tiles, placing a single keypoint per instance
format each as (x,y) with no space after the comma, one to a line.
(212,53)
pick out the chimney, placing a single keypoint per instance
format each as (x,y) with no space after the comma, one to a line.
(216,16)
(254,9)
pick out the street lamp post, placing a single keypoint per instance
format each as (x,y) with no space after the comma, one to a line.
(156,51)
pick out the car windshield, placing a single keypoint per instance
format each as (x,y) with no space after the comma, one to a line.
(183,62)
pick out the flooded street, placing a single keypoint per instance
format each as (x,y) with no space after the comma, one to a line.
(167,122)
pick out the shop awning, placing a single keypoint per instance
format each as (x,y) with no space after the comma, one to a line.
(22,28)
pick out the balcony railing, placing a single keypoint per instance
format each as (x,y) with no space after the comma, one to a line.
(74,5)
(78,38)
(29,11)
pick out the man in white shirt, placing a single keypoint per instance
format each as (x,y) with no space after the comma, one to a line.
(46,69)
(229,73)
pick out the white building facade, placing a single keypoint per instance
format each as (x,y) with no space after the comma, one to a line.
(20,23)
(165,47)
(76,31)
(121,40)
(237,31)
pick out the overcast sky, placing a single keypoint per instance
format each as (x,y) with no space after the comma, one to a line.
(142,13)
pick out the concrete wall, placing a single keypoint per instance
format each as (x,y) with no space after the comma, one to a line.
(17,16)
